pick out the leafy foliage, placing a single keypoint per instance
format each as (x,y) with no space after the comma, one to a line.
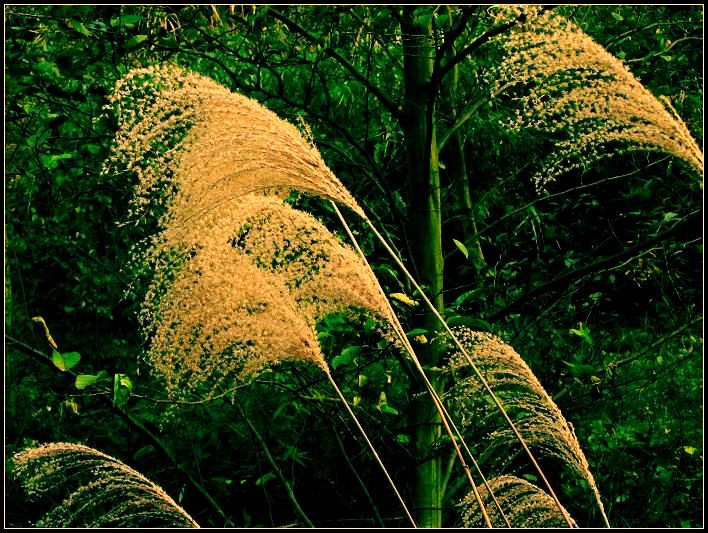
(595,280)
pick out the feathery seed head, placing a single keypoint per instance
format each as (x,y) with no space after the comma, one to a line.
(542,425)
(223,319)
(524,504)
(321,273)
(209,144)
(585,98)
(103,492)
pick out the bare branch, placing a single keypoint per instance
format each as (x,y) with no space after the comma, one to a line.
(597,266)
(469,114)
(474,45)
(658,342)
(373,89)
(278,472)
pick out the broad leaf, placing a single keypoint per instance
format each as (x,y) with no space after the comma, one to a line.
(65,361)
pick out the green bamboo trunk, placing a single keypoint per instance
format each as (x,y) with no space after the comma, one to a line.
(425,233)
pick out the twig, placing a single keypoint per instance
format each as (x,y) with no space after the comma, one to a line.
(356,475)
(657,343)
(563,193)
(278,472)
(474,45)
(373,89)
(596,266)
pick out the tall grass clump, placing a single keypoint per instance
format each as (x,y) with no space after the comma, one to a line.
(524,504)
(85,488)
(239,278)
(535,414)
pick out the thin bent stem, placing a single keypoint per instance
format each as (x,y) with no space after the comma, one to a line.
(371,447)
(442,411)
(276,468)
(356,475)
(479,376)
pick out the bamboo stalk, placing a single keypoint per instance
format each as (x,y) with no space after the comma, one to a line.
(479,375)
(442,411)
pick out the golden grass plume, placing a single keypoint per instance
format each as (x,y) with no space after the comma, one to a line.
(534,412)
(524,504)
(583,97)
(194,145)
(102,491)
(221,320)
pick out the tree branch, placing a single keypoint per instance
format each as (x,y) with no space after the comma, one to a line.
(474,45)
(657,343)
(470,113)
(477,43)
(563,193)
(373,89)
(595,267)
(278,472)
(451,36)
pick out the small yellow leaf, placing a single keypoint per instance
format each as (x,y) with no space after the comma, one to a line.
(39,320)
(72,406)
(403,298)
(421,339)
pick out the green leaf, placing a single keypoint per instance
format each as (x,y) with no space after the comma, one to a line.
(403,438)
(93,149)
(65,361)
(383,405)
(388,270)
(264,479)
(52,161)
(86,380)
(690,450)
(417,331)
(469,294)
(388,410)
(122,387)
(579,370)
(135,40)
(76,25)
(346,357)
(461,247)
(126,20)
(583,332)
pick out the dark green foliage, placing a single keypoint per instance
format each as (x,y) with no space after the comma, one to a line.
(596,281)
